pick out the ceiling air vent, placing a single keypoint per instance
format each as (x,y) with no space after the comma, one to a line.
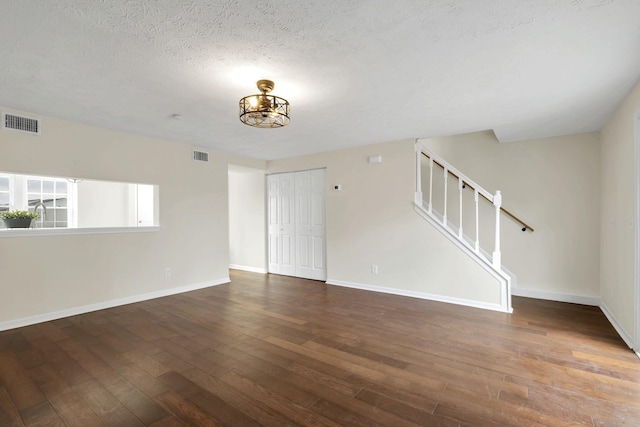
(21,123)
(200,156)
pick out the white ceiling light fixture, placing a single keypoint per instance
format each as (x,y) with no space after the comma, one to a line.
(262,110)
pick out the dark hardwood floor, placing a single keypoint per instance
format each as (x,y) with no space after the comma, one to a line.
(276,351)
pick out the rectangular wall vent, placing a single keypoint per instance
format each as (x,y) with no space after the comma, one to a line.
(21,123)
(200,156)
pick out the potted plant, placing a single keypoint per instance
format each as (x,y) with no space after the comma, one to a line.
(18,219)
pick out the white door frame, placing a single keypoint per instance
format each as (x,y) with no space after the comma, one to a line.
(636,261)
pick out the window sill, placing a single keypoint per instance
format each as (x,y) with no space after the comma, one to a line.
(32,232)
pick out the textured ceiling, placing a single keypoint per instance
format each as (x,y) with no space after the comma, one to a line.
(355,72)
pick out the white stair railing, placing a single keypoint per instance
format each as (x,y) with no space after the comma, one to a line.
(463,182)
(471,244)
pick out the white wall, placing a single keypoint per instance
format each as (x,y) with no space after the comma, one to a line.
(44,274)
(372,221)
(552,184)
(617,253)
(106,204)
(247,219)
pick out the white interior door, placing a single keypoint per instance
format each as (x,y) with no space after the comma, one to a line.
(296,217)
(310,224)
(281,218)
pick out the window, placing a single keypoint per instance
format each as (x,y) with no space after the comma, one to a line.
(49,197)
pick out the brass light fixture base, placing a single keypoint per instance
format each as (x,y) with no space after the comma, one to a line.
(265,86)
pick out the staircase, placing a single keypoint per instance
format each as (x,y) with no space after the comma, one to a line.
(439,196)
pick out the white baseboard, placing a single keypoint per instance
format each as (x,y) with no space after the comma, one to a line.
(247,268)
(616,325)
(421,295)
(552,296)
(45,317)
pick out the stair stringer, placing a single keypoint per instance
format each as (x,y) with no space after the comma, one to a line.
(468,241)
(504,278)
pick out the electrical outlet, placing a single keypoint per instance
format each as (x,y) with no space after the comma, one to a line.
(374,269)
(167,272)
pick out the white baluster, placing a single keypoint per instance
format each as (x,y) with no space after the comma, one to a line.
(444,217)
(475,198)
(460,184)
(418,196)
(497,202)
(430,183)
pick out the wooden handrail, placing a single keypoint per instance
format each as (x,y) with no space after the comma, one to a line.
(525,226)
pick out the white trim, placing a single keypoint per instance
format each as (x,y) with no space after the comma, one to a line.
(247,268)
(45,317)
(35,232)
(483,262)
(267,173)
(553,296)
(499,275)
(623,334)
(421,295)
(636,258)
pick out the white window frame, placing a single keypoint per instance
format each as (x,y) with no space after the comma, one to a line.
(11,191)
(19,199)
